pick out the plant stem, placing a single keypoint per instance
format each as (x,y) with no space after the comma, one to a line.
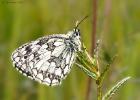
(99,90)
(93,44)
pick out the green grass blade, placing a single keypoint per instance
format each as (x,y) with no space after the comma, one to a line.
(114,89)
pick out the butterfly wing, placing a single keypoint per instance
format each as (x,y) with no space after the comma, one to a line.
(47,60)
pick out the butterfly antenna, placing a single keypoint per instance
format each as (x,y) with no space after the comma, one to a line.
(79,22)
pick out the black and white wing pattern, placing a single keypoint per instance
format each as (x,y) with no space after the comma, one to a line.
(47,60)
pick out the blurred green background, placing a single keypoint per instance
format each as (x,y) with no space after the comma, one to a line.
(118,25)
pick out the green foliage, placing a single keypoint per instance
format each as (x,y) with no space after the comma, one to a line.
(87,63)
(90,66)
(106,69)
(114,89)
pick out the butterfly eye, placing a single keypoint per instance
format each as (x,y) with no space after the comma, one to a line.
(77,32)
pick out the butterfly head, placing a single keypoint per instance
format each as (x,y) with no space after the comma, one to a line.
(76,31)
(74,35)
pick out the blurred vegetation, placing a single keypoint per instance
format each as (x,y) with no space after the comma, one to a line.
(118,25)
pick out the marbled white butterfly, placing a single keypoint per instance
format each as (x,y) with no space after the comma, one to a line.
(48,59)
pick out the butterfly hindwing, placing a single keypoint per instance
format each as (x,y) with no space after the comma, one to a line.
(47,59)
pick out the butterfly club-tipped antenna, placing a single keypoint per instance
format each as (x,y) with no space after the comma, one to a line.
(79,22)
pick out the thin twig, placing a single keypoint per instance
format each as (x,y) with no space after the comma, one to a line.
(93,44)
(99,90)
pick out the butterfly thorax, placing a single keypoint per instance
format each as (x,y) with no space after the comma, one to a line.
(74,40)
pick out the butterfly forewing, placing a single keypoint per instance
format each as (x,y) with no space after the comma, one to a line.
(47,59)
